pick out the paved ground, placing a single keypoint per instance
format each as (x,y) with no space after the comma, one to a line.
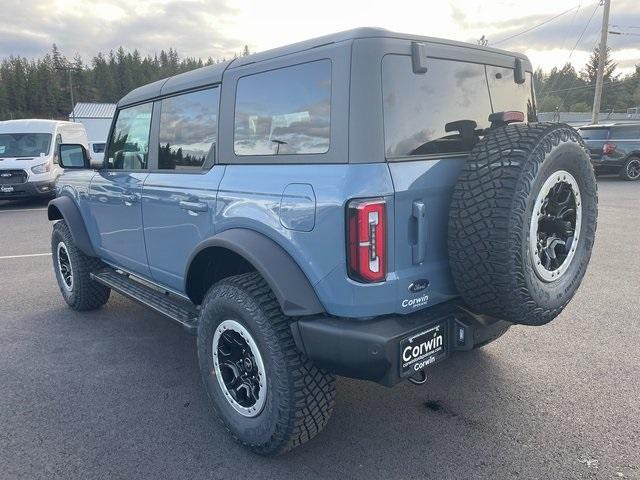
(117,394)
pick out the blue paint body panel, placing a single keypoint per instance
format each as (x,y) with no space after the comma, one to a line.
(298,207)
(178,211)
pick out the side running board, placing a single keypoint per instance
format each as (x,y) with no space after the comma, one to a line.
(178,310)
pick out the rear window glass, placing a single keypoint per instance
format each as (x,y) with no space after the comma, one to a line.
(631,132)
(594,133)
(508,95)
(284,111)
(438,111)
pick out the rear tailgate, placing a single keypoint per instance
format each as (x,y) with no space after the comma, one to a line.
(595,138)
(426,150)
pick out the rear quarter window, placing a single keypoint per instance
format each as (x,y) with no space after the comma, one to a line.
(284,111)
(435,112)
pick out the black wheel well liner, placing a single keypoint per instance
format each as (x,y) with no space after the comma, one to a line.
(240,250)
(65,208)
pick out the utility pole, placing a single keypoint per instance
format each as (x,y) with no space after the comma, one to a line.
(69,69)
(602,52)
(73,105)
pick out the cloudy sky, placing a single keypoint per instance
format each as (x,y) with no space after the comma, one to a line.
(220,28)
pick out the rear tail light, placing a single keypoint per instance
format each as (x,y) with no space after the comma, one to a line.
(366,235)
(608,148)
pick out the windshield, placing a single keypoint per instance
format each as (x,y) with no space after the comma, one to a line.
(24,144)
(594,133)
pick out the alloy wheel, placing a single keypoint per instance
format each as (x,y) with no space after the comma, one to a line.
(555,226)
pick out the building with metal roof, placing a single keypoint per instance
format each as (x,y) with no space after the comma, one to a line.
(96,118)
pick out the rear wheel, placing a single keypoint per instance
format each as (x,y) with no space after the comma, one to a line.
(631,169)
(266,393)
(73,272)
(522,222)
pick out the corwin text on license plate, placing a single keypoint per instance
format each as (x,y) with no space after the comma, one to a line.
(422,349)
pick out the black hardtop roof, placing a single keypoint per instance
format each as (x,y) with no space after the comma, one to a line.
(212,74)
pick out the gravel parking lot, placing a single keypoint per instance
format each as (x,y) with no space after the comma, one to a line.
(116,393)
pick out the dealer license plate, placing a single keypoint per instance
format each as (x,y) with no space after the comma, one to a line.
(423,349)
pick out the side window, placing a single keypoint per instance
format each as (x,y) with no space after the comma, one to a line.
(129,144)
(98,148)
(188,130)
(507,95)
(56,144)
(437,112)
(625,133)
(284,111)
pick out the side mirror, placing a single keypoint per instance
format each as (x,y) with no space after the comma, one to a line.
(74,156)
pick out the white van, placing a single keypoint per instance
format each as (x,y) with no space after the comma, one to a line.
(28,155)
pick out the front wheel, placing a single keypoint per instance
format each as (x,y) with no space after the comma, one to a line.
(73,272)
(266,393)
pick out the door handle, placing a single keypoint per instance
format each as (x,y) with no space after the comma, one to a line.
(130,199)
(419,214)
(194,206)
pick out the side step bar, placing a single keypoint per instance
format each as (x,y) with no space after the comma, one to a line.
(178,310)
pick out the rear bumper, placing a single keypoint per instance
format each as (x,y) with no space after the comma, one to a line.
(28,190)
(370,349)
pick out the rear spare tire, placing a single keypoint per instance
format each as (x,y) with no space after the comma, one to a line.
(522,222)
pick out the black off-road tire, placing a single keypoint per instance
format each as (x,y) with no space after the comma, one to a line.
(629,174)
(85,294)
(491,210)
(300,396)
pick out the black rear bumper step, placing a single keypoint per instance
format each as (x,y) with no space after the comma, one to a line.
(178,310)
(370,349)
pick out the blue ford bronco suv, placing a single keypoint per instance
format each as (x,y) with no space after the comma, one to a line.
(363,204)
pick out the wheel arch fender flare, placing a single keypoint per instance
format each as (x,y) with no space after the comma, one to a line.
(64,208)
(290,285)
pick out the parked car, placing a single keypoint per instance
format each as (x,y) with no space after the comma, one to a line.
(614,148)
(364,204)
(96,151)
(28,159)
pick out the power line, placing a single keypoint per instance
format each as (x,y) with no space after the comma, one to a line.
(617,83)
(544,94)
(624,33)
(583,31)
(536,26)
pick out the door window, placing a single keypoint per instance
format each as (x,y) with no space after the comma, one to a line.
(284,111)
(129,145)
(188,131)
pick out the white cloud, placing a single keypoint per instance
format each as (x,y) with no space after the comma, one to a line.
(220,28)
